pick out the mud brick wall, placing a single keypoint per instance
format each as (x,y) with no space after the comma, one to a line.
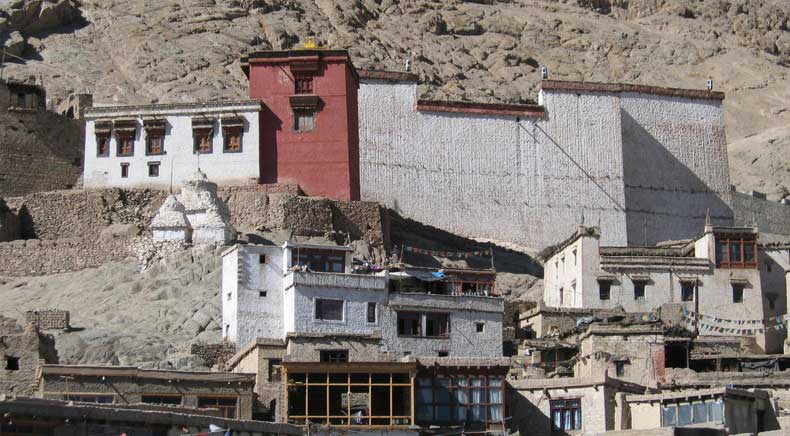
(49,319)
(36,257)
(213,354)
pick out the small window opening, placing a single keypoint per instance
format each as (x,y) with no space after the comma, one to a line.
(480,327)
(11,363)
(443,354)
(304,121)
(124,170)
(604,289)
(619,368)
(262,293)
(687,291)
(371,312)
(334,356)
(737,293)
(639,290)
(262,259)
(230,295)
(153,169)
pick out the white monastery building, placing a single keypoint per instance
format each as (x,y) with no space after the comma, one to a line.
(159,146)
(275,292)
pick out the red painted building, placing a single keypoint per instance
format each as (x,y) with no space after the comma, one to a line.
(309,126)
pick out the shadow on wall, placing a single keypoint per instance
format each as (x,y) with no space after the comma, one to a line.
(664,199)
(526,417)
(269,125)
(406,231)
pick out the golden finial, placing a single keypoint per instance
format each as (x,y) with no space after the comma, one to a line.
(309,43)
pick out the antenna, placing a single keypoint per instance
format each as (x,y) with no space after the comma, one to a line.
(710,84)
(408,64)
(544,73)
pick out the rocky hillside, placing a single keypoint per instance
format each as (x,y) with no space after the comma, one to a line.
(128,51)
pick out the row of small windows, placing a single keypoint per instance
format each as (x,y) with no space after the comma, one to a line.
(202,141)
(687,291)
(153,169)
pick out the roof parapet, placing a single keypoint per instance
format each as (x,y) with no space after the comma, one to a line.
(616,88)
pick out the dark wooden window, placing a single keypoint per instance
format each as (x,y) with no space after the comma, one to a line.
(231,139)
(203,141)
(736,251)
(303,84)
(604,289)
(737,293)
(328,310)
(227,405)
(102,145)
(408,324)
(371,312)
(437,325)
(124,170)
(639,290)
(169,400)
(318,260)
(154,142)
(687,291)
(566,415)
(334,356)
(125,145)
(153,169)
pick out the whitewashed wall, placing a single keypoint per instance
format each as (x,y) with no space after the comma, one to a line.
(249,314)
(643,168)
(236,168)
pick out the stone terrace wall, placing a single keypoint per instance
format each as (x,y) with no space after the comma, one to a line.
(50,319)
(37,257)
(68,230)
(213,354)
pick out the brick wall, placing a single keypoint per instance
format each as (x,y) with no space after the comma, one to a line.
(49,319)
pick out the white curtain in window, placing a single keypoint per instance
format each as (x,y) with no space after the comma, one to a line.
(495,399)
(461,399)
(478,414)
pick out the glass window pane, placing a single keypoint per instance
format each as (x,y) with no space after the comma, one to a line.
(700,413)
(715,411)
(735,251)
(684,414)
(442,391)
(424,413)
(669,416)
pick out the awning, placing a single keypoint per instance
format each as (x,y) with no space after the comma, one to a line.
(203,123)
(102,126)
(424,276)
(126,125)
(232,121)
(154,124)
(739,280)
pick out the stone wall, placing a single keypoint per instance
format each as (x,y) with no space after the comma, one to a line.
(23,351)
(37,257)
(9,224)
(213,354)
(40,150)
(50,319)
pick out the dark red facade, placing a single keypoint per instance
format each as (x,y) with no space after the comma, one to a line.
(309,127)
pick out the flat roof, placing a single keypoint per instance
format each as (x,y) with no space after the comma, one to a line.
(392,76)
(154,374)
(356,367)
(193,108)
(22,407)
(493,109)
(561,85)
(574,382)
(693,393)
(296,52)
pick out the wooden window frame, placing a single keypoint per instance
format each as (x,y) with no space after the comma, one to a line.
(745,242)
(683,287)
(423,324)
(298,127)
(375,313)
(106,152)
(122,140)
(197,135)
(124,170)
(149,396)
(157,165)
(452,387)
(318,303)
(643,285)
(333,356)
(608,294)
(95,396)
(223,408)
(311,257)
(737,291)
(303,83)
(322,380)
(231,132)
(151,135)
(554,406)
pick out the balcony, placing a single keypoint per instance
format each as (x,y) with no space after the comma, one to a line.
(335,280)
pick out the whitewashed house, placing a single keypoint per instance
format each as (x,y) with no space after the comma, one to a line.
(301,289)
(161,145)
(727,283)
